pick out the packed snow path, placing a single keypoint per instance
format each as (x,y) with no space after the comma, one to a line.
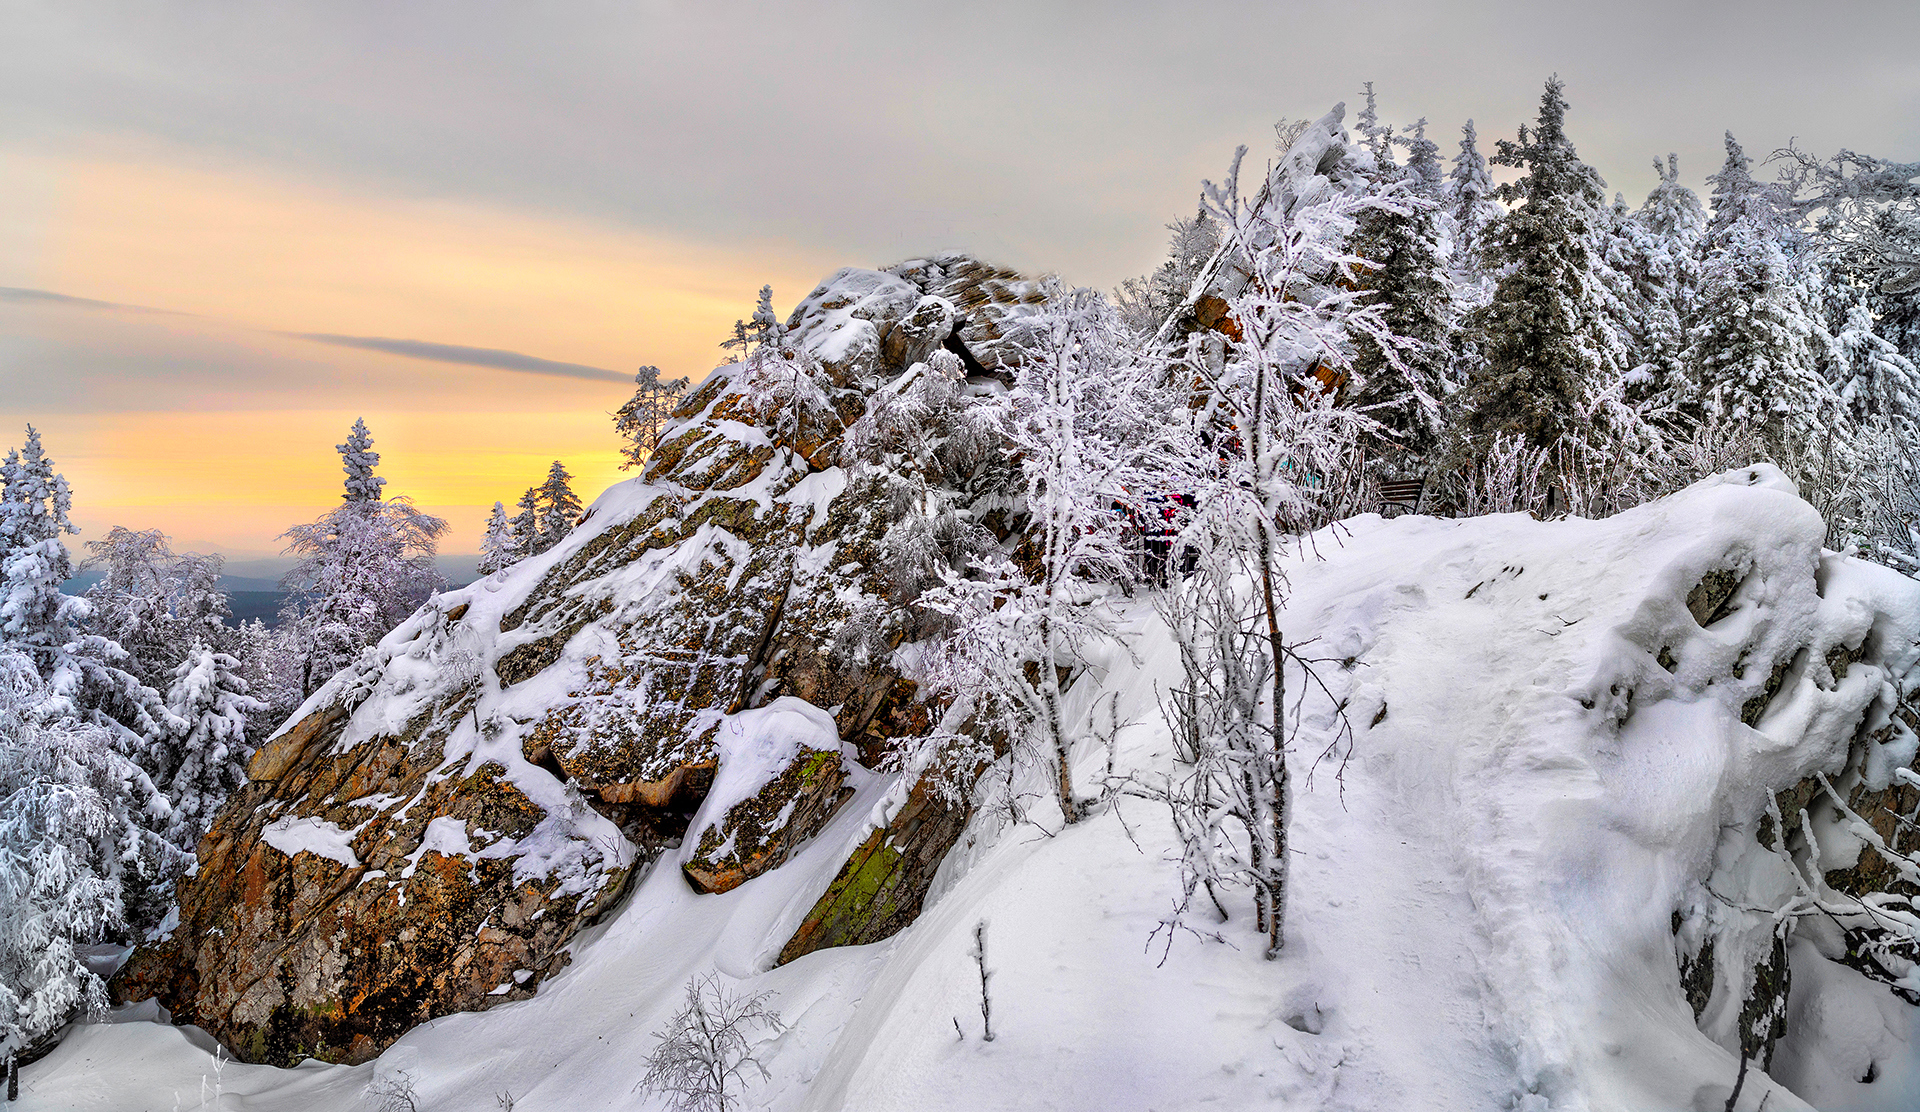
(1547,749)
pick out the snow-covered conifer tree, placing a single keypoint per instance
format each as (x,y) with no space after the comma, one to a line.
(210,700)
(1553,371)
(524,527)
(1405,275)
(364,566)
(155,602)
(79,858)
(1470,207)
(1375,137)
(358,459)
(559,506)
(786,383)
(640,420)
(499,548)
(1873,378)
(1422,172)
(83,671)
(1755,340)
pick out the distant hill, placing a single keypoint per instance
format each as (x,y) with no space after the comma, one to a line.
(253,588)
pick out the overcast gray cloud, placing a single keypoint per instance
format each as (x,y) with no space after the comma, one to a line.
(466,356)
(1047,135)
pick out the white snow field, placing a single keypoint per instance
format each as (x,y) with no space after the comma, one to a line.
(1480,917)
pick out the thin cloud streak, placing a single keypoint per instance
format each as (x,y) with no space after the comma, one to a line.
(25,296)
(465,356)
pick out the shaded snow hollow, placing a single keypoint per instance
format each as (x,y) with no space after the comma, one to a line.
(1481,903)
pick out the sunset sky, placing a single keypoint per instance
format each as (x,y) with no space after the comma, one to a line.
(213,218)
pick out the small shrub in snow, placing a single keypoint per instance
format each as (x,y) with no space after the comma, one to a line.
(704,1052)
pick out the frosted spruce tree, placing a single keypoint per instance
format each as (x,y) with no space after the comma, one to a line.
(209,697)
(1551,370)
(499,548)
(1755,340)
(547,513)
(1405,277)
(1468,203)
(155,602)
(363,567)
(80,860)
(85,672)
(559,506)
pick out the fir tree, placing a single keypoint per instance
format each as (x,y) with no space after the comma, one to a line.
(1872,377)
(1422,172)
(1400,387)
(523,528)
(358,459)
(155,602)
(499,548)
(1375,137)
(211,702)
(559,506)
(84,672)
(1468,196)
(1755,341)
(80,860)
(364,566)
(1550,358)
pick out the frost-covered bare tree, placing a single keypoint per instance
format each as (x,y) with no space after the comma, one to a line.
(644,415)
(1224,807)
(704,1052)
(1280,442)
(1093,434)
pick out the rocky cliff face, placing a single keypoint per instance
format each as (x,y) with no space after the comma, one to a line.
(436,823)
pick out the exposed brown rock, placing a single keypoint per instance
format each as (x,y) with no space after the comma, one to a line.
(882,886)
(762,831)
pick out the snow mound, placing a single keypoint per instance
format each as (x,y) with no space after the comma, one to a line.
(1569,742)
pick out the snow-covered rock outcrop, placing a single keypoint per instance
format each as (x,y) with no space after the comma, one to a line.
(433,827)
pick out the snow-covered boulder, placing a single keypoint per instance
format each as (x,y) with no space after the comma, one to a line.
(431,830)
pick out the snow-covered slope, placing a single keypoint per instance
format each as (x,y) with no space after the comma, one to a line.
(1567,737)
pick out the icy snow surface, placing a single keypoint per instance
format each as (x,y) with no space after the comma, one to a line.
(291,835)
(1480,905)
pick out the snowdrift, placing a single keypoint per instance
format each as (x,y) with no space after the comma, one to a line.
(1548,872)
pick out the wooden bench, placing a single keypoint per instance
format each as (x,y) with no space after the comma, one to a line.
(1402,493)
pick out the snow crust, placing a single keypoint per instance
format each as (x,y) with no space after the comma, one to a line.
(754,747)
(293,835)
(1482,898)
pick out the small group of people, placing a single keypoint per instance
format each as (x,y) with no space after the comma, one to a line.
(1158,521)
